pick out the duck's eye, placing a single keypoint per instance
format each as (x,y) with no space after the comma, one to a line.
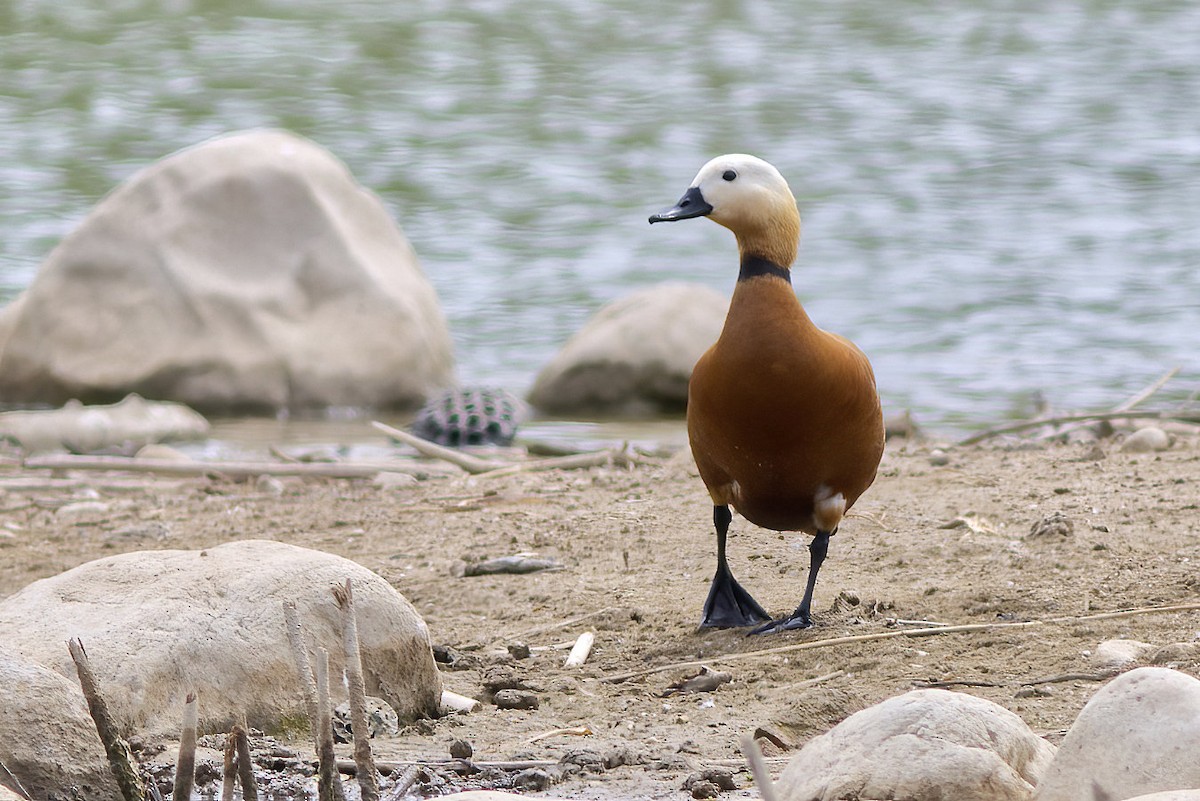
(729,175)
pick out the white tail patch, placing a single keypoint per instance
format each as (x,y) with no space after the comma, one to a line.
(828,508)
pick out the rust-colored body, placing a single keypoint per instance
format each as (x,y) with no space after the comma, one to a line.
(781,413)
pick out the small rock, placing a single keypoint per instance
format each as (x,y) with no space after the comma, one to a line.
(703,789)
(720,778)
(622,755)
(156,450)
(1175,652)
(381,720)
(516,699)
(461,749)
(584,759)
(519,650)
(939,458)
(269,485)
(1114,654)
(389,480)
(1055,524)
(533,780)
(1150,439)
(503,677)
(82,509)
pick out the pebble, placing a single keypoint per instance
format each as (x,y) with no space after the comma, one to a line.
(939,458)
(390,480)
(516,699)
(461,749)
(269,485)
(1150,439)
(1055,524)
(82,509)
(1119,653)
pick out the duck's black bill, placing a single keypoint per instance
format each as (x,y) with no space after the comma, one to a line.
(692,204)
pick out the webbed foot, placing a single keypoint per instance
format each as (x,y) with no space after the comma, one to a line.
(797,620)
(729,605)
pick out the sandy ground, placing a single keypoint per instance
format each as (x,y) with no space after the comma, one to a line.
(637,550)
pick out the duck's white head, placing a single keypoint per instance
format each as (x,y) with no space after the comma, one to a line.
(749,197)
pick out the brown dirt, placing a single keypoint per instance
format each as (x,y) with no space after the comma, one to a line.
(637,548)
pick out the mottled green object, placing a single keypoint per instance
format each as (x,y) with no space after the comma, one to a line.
(470,417)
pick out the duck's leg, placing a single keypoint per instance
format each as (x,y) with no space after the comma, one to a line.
(728,605)
(802,617)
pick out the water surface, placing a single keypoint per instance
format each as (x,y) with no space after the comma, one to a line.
(999,198)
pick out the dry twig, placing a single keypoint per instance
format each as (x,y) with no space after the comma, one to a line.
(967,628)
(231,469)
(185,765)
(1148,392)
(1094,417)
(758,769)
(368,782)
(485,468)
(120,760)
(329,784)
(472,464)
(229,772)
(245,764)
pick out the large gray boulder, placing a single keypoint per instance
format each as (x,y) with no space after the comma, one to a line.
(634,357)
(250,272)
(925,745)
(47,739)
(157,624)
(1139,734)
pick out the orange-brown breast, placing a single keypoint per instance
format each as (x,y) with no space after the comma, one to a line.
(779,411)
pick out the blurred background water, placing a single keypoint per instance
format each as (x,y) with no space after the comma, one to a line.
(999,198)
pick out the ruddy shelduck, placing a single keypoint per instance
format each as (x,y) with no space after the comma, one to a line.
(783,418)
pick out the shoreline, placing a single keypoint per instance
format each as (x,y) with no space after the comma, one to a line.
(946,534)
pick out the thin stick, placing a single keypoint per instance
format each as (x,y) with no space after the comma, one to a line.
(887,635)
(185,765)
(304,675)
(1147,392)
(466,461)
(348,767)
(573,462)
(232,469)
(120,760)
(562,625)
(1061,677)
(245,765)
(12,777)
(758,769)
(405,781)
(368,781)
(229,773)
(485,468)
(1077,418)
(329,784)
(813,682)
